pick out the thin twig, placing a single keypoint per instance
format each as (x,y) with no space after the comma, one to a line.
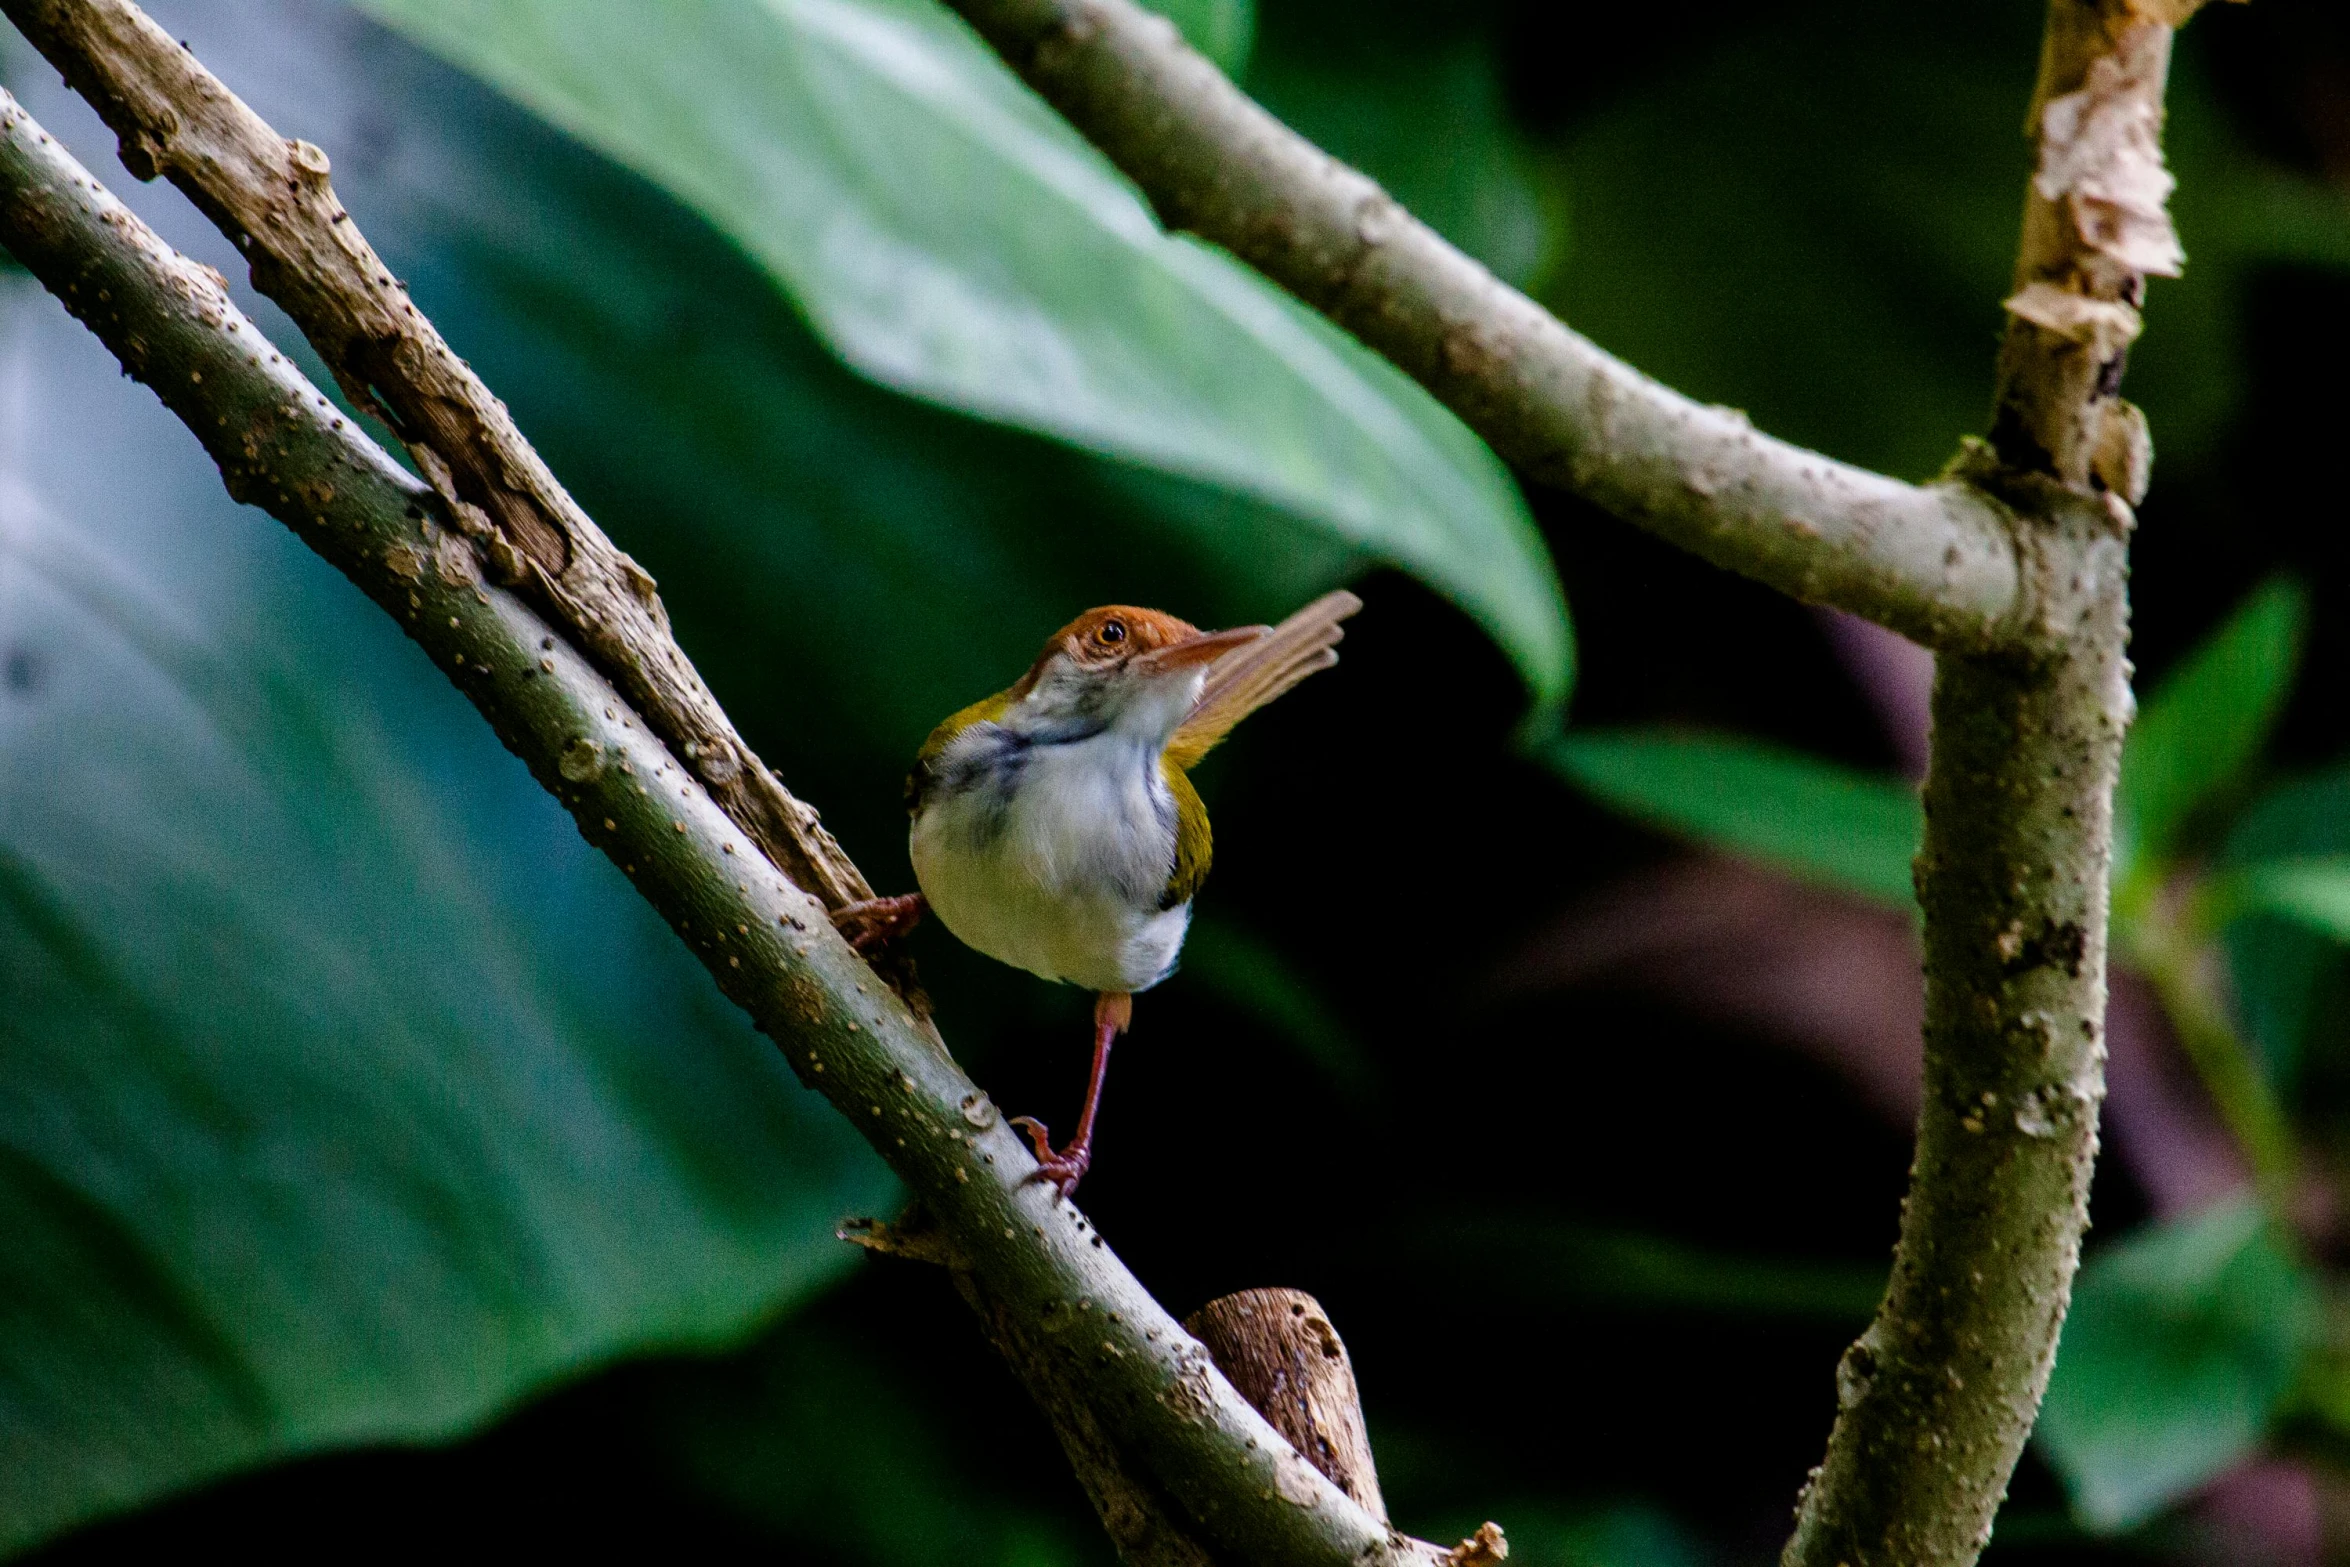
(1936,562)
(1089,1334)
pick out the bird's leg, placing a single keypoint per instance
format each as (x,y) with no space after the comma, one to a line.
(876,922)
(1113,1013)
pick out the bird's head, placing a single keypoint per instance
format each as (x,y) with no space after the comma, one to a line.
(1124,668)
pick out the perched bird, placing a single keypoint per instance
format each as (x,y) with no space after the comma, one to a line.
(1054,826)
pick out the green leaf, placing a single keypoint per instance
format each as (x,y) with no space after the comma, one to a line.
(2279,965)
(1835,826)
(2314,894)
(949,236)
(2206,723)
(2182,1343)
(1427,118)
(345,1095)
(1223,30)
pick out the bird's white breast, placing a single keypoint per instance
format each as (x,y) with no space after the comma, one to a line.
(1053,857)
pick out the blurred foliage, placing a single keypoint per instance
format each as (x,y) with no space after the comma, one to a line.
(1832,825)
(950,236)
(2195,736)
(2182,1345)
(344,1094)
(2184,1341)
(345,1098)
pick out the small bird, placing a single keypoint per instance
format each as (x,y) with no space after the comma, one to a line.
(1054,827)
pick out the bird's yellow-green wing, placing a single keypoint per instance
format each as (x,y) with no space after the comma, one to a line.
(1249,676)
(1194,845)
(985,710)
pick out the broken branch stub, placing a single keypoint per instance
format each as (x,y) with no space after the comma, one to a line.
(1277,1347)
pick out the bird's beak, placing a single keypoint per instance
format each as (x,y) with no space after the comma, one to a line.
(1192,652)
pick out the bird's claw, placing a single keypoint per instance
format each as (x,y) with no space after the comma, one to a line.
(1063,1169)
(876,922)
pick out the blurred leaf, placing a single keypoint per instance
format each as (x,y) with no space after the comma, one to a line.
(2314,894)
(950,236)
(2205,724)
(1252,976)
(1223,30)
(820,1438)
(2279,965)
(345,1095)
(1834,826)
(1427,119)
(2183,1341)
(1544,1261)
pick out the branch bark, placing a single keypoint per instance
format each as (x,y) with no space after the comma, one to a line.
(1090,1334)
(1938,563)
(2014,566)
(1938,1397)
(1281,1352)
(271,196)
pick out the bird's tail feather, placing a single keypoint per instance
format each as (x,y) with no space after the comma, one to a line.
(1249,676)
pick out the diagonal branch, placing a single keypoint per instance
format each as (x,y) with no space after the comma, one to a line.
(1936,562)
(1092,1342)
(271,196)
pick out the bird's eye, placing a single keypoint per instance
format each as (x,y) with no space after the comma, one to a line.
(1112,633)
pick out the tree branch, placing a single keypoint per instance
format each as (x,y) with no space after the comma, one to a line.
(1089,1331)
(1937,562)
(2014,567)
(1938,1397)
(270,195)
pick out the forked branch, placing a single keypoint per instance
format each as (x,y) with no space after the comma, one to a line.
(2014,567)
(272,196)
(1937,562)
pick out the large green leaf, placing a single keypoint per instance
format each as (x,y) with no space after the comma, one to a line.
(1836,826)
(344,1094)
(2205,724)
(2182,1342)
(951,237)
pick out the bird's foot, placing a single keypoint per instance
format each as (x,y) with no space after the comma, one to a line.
(1064,1169)
(877,922)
